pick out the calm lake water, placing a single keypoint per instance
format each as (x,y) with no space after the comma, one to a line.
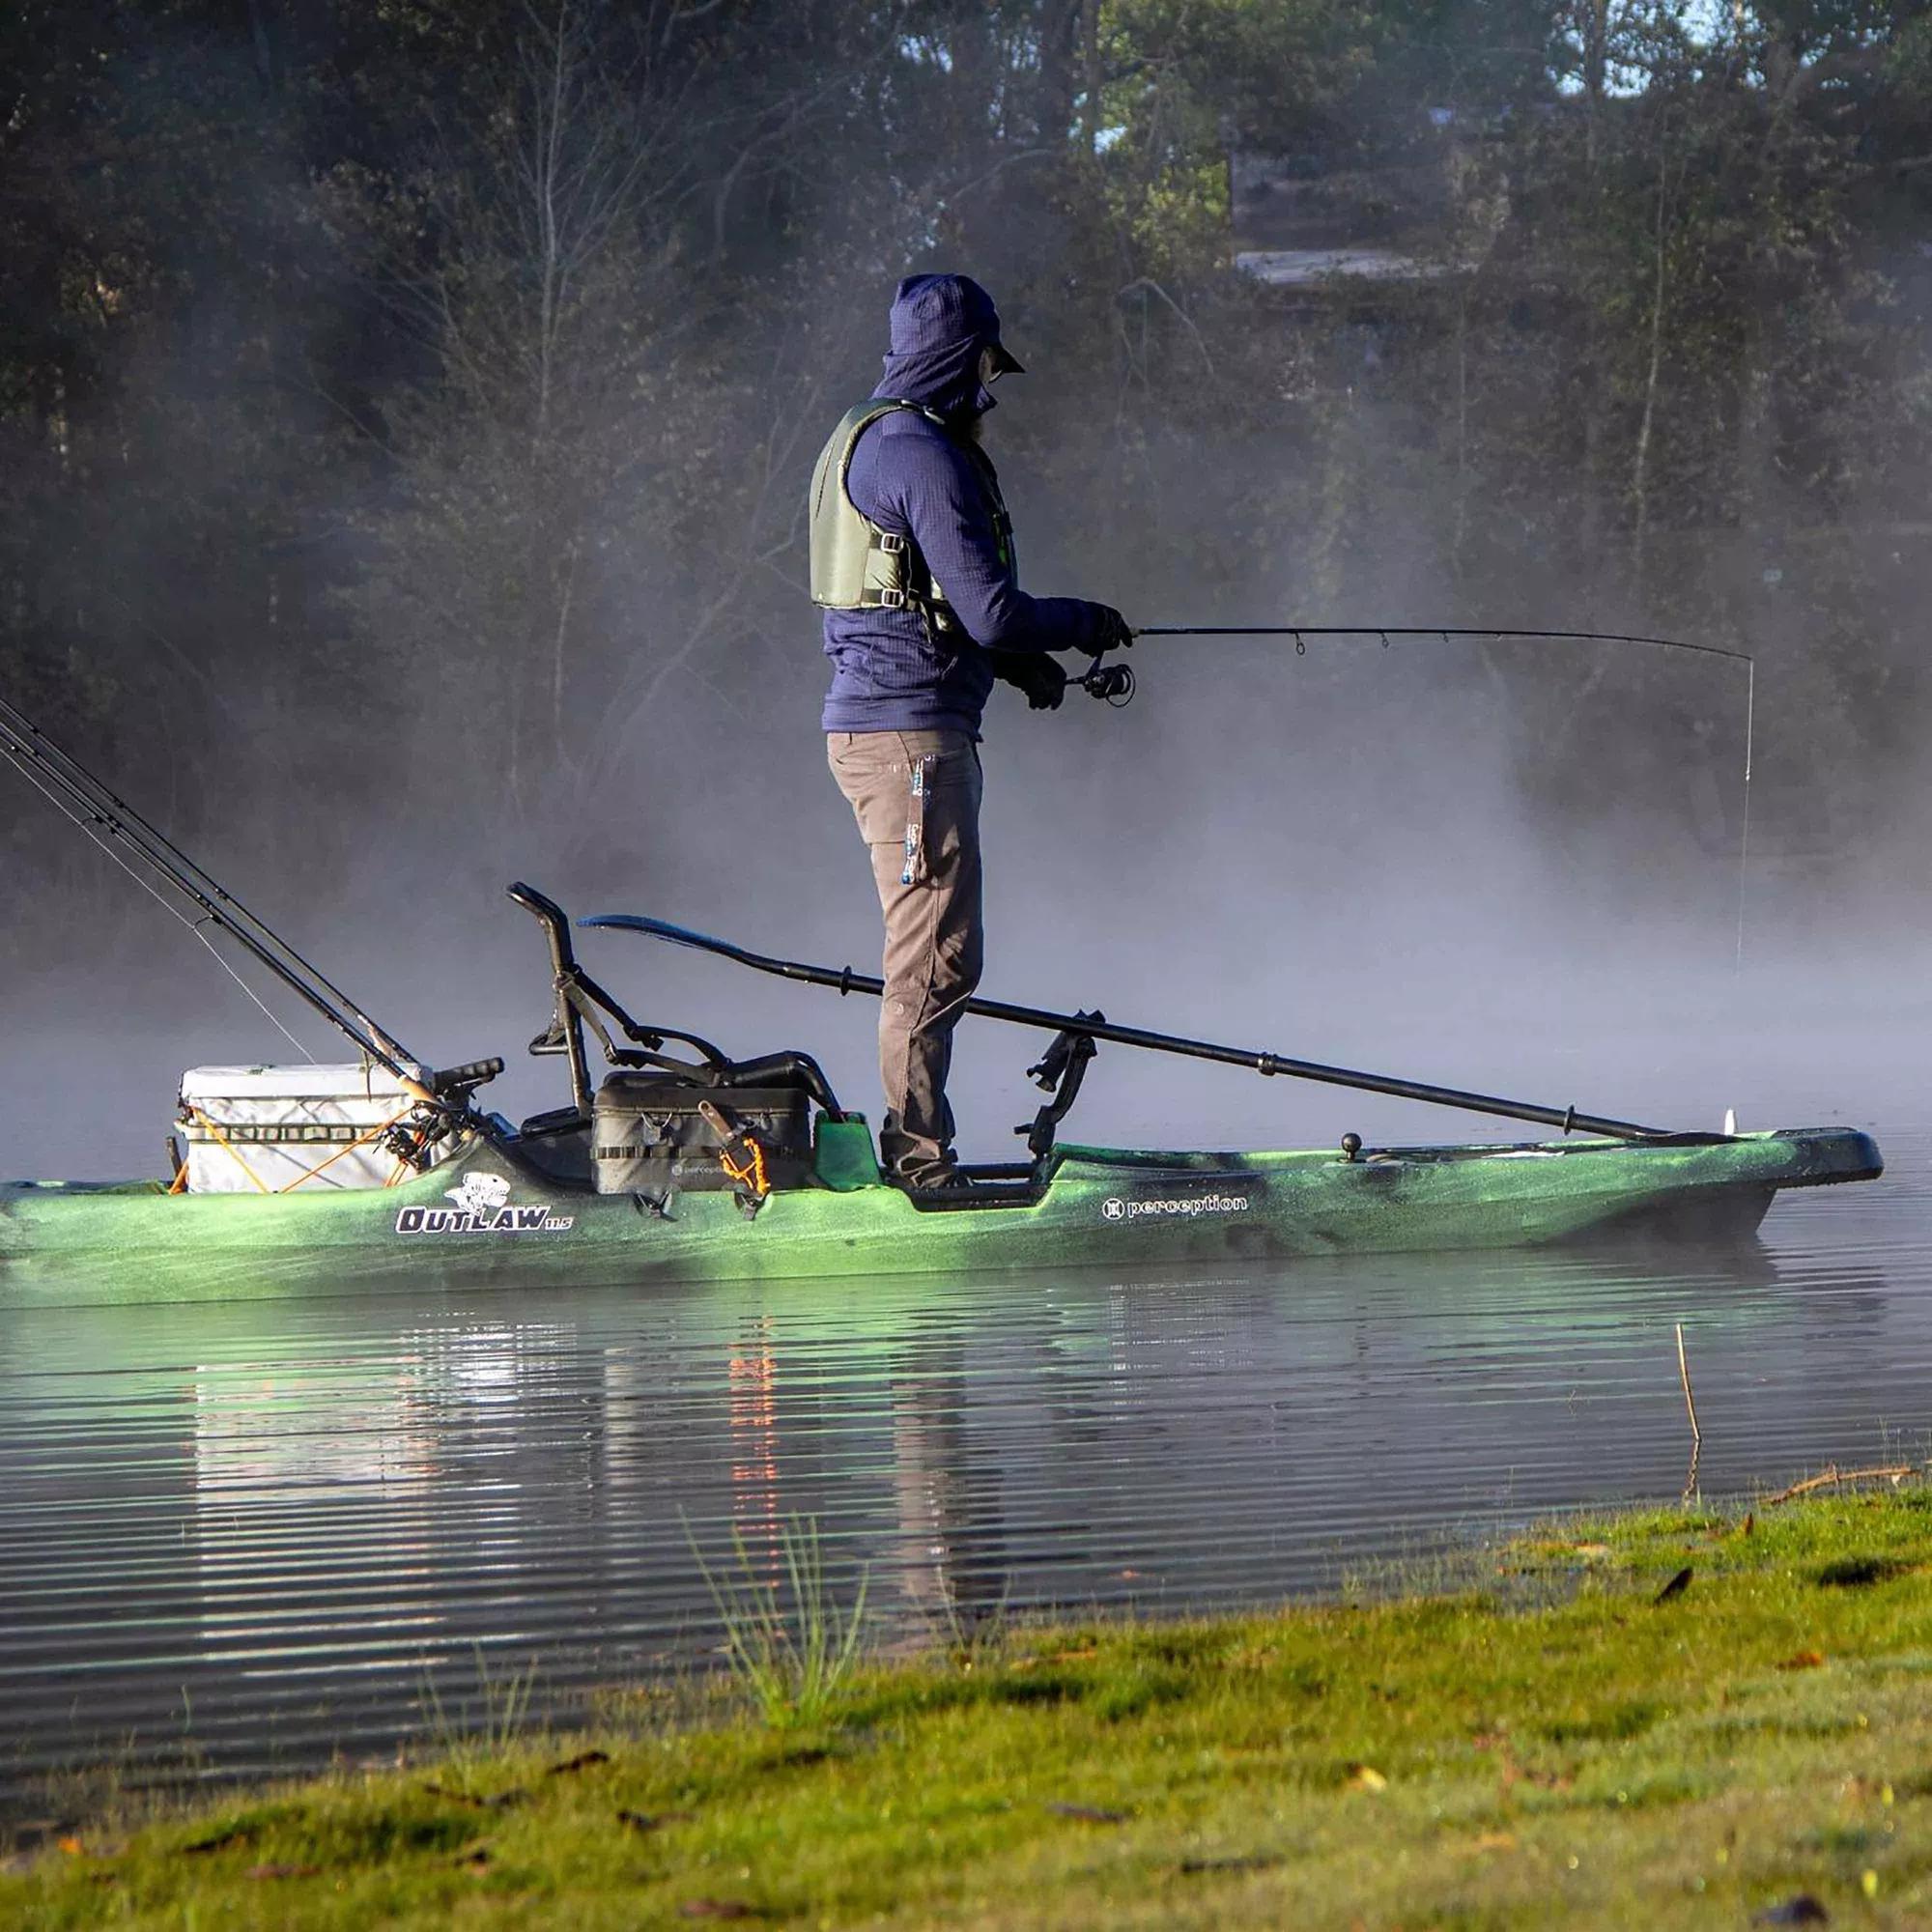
(248,1538)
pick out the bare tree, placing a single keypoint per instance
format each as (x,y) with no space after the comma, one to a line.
(549,311)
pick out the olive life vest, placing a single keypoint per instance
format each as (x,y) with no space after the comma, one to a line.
(858,566)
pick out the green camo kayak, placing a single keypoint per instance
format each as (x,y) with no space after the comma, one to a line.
(489,1214)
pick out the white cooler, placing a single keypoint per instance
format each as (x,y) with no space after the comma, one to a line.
(278,1129)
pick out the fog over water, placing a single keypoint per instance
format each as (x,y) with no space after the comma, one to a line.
(1459,967)
(1324,856)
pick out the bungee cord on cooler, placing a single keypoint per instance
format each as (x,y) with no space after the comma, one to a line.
(1117,690)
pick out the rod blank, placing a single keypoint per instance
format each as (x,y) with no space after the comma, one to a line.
(1387,631)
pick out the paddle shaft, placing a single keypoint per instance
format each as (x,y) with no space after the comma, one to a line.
(843,980)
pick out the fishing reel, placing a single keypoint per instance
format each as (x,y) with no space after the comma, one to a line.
(1113,684)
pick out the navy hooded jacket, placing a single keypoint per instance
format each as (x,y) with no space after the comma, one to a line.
(916,479)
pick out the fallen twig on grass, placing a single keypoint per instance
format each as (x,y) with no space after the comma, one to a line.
(1831,1476)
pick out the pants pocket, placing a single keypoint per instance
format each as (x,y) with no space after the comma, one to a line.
(905,792)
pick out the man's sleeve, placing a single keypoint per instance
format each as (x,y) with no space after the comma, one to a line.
(946,509)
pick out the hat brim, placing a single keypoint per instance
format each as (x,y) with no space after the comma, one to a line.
(1004,361)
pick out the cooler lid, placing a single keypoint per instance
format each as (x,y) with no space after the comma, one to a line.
(351,1082)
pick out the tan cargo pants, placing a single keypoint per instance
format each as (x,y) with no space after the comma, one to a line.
(916,795)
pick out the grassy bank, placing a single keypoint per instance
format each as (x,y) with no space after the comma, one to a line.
(1560,1743)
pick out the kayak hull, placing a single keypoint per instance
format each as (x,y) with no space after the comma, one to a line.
(491,1216)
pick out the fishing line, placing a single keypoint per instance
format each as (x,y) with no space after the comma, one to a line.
(194,926)
(1300,632)
(92,825)
(25,745)
(21,738)
(1744,837)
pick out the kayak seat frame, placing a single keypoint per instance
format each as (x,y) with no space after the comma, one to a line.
(581,1002)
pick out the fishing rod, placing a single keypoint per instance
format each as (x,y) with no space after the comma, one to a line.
(1300,632)
(1091,1027)
(1107,681)
(155,862)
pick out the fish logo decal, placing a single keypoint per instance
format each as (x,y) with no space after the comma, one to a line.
(481,1204)
(480,1194)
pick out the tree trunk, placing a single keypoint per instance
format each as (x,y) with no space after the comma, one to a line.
(1596,65)
(1641,459)
(1060,24)
(1089,62)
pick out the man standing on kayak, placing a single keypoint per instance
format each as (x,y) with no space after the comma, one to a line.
(912,559)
